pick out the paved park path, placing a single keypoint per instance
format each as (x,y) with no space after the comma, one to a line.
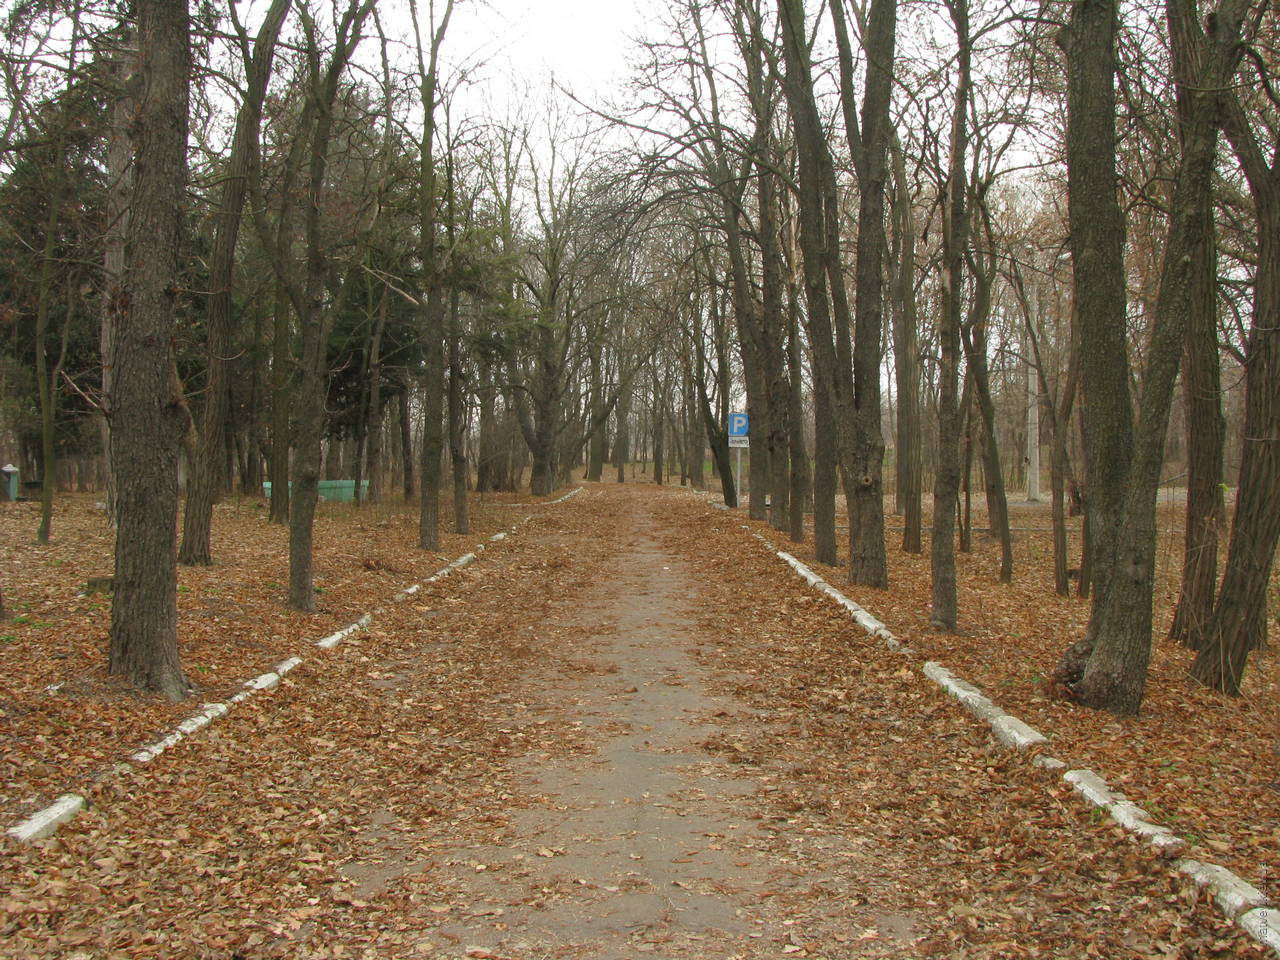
(628,731)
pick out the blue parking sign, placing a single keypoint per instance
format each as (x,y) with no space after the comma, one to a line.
(739,424)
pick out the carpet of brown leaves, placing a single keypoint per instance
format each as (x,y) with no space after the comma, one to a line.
(63,720)
(235,842)
(986,837)
(255,838)
(1205,765)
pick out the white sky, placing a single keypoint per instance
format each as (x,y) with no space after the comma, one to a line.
(584,44)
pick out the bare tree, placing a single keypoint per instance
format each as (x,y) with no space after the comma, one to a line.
(202,488)
(1107,668)
(148,416)
(946,488)
(1239,622)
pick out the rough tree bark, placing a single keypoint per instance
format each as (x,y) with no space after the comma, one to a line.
(800,479)
(946,487)
(773,333)
(433,314)
(203,485)
(1114,674)
(869,147)
(906,358)
(1239,623)
(1201,381)
(148,416)
(315,307)
(119,189)
(458,420)
(46,380)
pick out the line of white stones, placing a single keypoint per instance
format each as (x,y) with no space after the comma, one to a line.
(1239,900)
(45,822)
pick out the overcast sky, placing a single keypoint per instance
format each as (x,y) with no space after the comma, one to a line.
(583,43)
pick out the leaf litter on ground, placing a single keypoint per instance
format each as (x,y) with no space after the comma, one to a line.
(312,822)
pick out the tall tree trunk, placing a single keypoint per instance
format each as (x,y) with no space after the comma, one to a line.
(906,360)
(800,480)
(406,440)
(1239,623)
(659,426)
(281,402)
(433,325)
(147,411)
(46,385)
(433,421)
(251,483)
(622,436)
(754,384)
(119,189)
(203,485)
(1206,428)
(317,306)
(966,482)
(813,196)
(864,484)
(1202,392)
(1114,676)
(1097,232)
(306,467)
(457,420)
(824,480)
(773,334)
(946,487)
(490,451)
(373,427)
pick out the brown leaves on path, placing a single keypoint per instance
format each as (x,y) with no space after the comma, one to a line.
(1205,765)
(315,821)
(63,720)
(1005,850)
(237,841)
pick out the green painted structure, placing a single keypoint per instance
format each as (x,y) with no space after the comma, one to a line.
(343,491)
(10,482)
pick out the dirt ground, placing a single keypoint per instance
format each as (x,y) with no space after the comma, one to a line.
(627,731)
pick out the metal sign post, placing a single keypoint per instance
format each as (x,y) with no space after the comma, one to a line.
(739,430)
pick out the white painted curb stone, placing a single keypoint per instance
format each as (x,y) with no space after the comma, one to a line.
(860,616)
(1012,732)
(968,695)
(331,641)
(1008,730)
(264,681)
(1134,819)
(551,503)
(1091,786)
(1124,812)
(44,823)
(1233,895)
(1263,924)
